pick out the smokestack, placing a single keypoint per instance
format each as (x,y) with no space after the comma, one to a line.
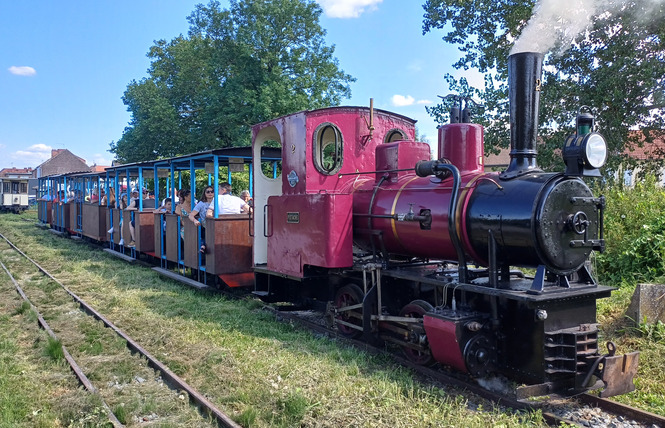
(524,73)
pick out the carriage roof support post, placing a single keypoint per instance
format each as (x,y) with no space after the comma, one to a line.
(192,180)
(215,162)
(251,179)
(139,187)
(170,181)
(156,186)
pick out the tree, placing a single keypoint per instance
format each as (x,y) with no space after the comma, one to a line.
(614,65)
(255,61)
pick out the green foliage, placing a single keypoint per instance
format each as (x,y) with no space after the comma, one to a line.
(54,349)
(634,233)
(654,332)
(616,67)
(22,308)
(121,413)
(252,62)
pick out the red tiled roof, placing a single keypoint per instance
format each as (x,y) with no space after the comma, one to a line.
(655,150)
(4,172)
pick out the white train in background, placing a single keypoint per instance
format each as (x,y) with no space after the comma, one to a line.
(14,194)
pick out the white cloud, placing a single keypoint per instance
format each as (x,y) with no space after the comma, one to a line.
(347,8)
(100,159)
(407,100)
(23,70)
(401,100)
(32,156)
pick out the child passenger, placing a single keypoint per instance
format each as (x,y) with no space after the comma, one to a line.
(198,214)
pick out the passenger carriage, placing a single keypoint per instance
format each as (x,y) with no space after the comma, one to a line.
(14,194)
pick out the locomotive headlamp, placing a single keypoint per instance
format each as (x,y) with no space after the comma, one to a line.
(595,150)
(586,151)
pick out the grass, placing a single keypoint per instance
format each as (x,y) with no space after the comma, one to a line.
(270,374)
(34,390)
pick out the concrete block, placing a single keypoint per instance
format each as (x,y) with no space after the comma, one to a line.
(647,301)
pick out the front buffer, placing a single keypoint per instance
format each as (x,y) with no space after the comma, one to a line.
(547,342)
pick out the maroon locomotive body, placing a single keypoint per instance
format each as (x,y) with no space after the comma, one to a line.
(423,253)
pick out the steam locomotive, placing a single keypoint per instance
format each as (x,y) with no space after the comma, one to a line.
(422,253)
(352,217)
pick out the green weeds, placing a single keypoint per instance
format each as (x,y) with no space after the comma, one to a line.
(54,349)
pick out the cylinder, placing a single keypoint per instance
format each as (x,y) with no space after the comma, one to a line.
(524,81)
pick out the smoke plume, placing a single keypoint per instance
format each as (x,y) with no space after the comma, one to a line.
(559,22)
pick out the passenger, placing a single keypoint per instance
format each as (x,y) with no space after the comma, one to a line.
(245,196)
(185,202)
(198,214)
(94,198)
(183,208)
(47,197)
(59,197)
(130,206)
(176,200)
(109,200)
(134,199)
(166,206)
(228,203)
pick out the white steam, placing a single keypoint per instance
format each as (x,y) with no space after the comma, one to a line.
(559,22)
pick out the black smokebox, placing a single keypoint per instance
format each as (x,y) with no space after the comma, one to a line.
(524,82)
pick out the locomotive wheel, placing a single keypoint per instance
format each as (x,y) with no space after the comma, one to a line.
(417,309)
(347,296)
(479,356)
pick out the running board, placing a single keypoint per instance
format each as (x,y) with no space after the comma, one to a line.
(182,279)
(119,255)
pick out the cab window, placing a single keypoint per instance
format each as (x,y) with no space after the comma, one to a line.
(394,135)
(328,149)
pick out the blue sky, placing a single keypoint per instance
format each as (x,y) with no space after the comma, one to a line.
(64,66)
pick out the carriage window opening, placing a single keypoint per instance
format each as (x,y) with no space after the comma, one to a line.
(24,187)
(328,149)
(395,135)
(6,188)
(271,167)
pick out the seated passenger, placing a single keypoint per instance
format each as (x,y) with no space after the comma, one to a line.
(125,206)
(198,214)
(245,196)
(185,202)
(228,203)
(109,199)
(166,206)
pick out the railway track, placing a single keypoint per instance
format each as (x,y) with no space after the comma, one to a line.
(180,390)
(584,410)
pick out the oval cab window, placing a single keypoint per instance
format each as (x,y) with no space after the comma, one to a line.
(328,149)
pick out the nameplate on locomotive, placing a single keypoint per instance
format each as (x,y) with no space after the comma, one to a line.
(293,217)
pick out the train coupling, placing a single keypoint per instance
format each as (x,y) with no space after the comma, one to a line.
(615,371)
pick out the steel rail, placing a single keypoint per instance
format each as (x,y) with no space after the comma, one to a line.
(83,379)
(617,408)
(614,407)
(173,380)
(609,406)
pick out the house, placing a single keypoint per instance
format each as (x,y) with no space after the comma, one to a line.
(647,152)
(62,161)
(16,172)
